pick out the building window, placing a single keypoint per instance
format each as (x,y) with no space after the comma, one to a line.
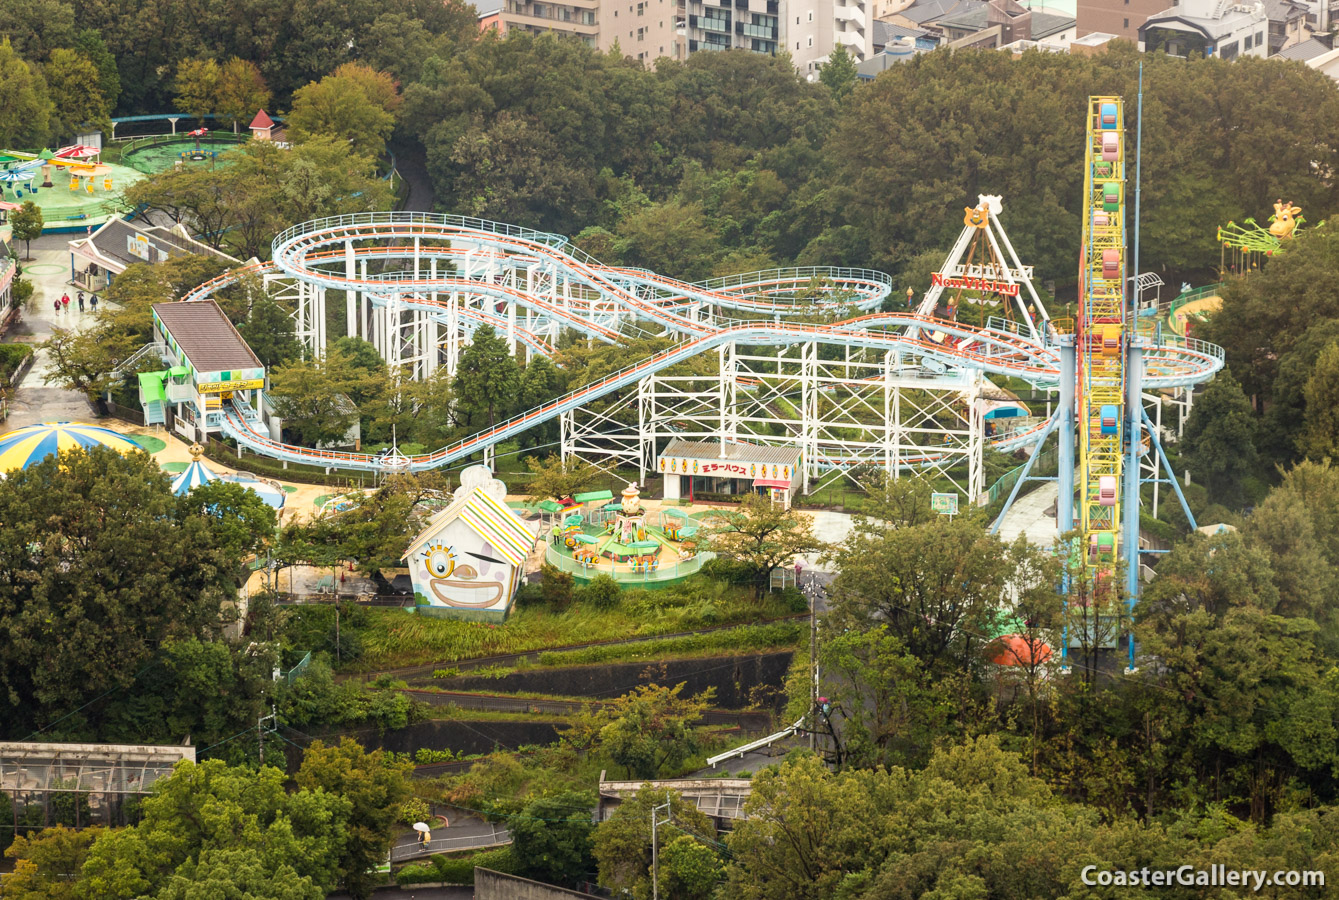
(1127,24)
(641,9)
(1228,51)
(1246,45)
(811,42)
(1259,39)
(641,34)
(811,15)
(587,17)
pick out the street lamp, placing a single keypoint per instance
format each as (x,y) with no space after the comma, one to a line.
(813,645)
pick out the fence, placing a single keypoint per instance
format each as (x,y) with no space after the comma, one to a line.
(1006,481)
(294,673)
(498,837)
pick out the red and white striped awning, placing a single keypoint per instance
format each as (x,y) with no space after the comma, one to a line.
(771,482)
(77,151)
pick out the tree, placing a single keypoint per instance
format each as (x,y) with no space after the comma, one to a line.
(242,522)
(838,74)
(76,91)
(646,730)
(374,787)
(1320,438)
(309,395)
(551,839)
(759,537)
(354,104)
(91,45)
(938,586)
(26,111)
(540,383)
(239,873)
(892,711)
(97,568)
(26,223)
(487,377)
(1219,439)
(48,863)
(622,843)
(197,85)
(558,477)
(212,824)
(268,331)
(241,91)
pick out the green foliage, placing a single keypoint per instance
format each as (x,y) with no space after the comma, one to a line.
(11,357)
(761,537)
(104,566)
(27,113)
(374,790)
(556,586)
(413,810)
(458,869)
(551,838)
(647,730)
(601,592)
(487,379)
(355,105)
(43,863)
(268,331)
(26,224)
(209,822)
(1218,441)
(622,843)
(838,74)
(76,93)
(743,639)
(557,477)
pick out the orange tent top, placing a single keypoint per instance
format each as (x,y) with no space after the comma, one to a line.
(1016,650)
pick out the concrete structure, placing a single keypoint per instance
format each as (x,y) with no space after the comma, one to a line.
(97,259)
(642,29)
(469,559)
(1208,27)
(729,468)
(1120,18)
(1091,43)
(490,885)
(809,30)
(719,799)
(1327,63)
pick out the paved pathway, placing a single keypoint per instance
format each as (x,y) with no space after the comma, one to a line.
(33,400)
(1033,515)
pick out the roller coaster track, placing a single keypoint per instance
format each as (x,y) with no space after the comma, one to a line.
(611,304)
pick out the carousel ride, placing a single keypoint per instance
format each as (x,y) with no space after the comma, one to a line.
(625,541)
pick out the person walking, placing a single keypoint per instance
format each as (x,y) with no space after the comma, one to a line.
(56,304)
(81,301)
(93,301)
(65,300)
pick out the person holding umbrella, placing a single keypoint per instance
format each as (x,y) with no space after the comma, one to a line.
(424,834)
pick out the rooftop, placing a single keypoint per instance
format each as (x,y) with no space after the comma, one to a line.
(1308,49)
(262,120)
(205,336)
(887,32)
(737,450)
(925,11)
(109,768)
(111,242)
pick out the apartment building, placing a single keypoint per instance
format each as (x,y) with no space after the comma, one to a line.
(1122,18)
(642,29)
(809,30)
(1209,28)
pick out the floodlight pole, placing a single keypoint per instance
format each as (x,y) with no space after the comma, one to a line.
(655,857)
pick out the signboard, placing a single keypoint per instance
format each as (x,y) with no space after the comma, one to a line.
(138,245)
(971,283)
(220,387)
(944,504)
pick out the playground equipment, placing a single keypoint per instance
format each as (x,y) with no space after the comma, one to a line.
(1245,246)
(417,285)
(623,544)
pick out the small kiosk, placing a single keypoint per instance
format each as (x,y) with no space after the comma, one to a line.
(692,468)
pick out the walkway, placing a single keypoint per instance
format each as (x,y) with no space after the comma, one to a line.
(464,833)
(33,400)
(1033,515)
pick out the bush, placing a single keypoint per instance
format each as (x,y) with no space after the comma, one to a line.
(11,355)
(460,869)
(556,586)
(417,873)
(602,592)
(794,599)
(21,292)
(413,810)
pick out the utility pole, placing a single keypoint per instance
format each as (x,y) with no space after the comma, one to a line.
(260,732)
(655,856)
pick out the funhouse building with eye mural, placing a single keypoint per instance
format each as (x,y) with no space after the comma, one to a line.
(468,562)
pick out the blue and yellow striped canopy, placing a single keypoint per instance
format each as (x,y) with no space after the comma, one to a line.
(28,446)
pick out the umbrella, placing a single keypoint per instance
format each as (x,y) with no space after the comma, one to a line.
(422,826)
(14,175)
(28,446)
(1016,650)
(77,151)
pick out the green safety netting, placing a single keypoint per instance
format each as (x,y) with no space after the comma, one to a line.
(549,506)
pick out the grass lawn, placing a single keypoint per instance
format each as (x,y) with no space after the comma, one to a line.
(393,637)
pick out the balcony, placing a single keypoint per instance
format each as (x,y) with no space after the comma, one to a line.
(710,23)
